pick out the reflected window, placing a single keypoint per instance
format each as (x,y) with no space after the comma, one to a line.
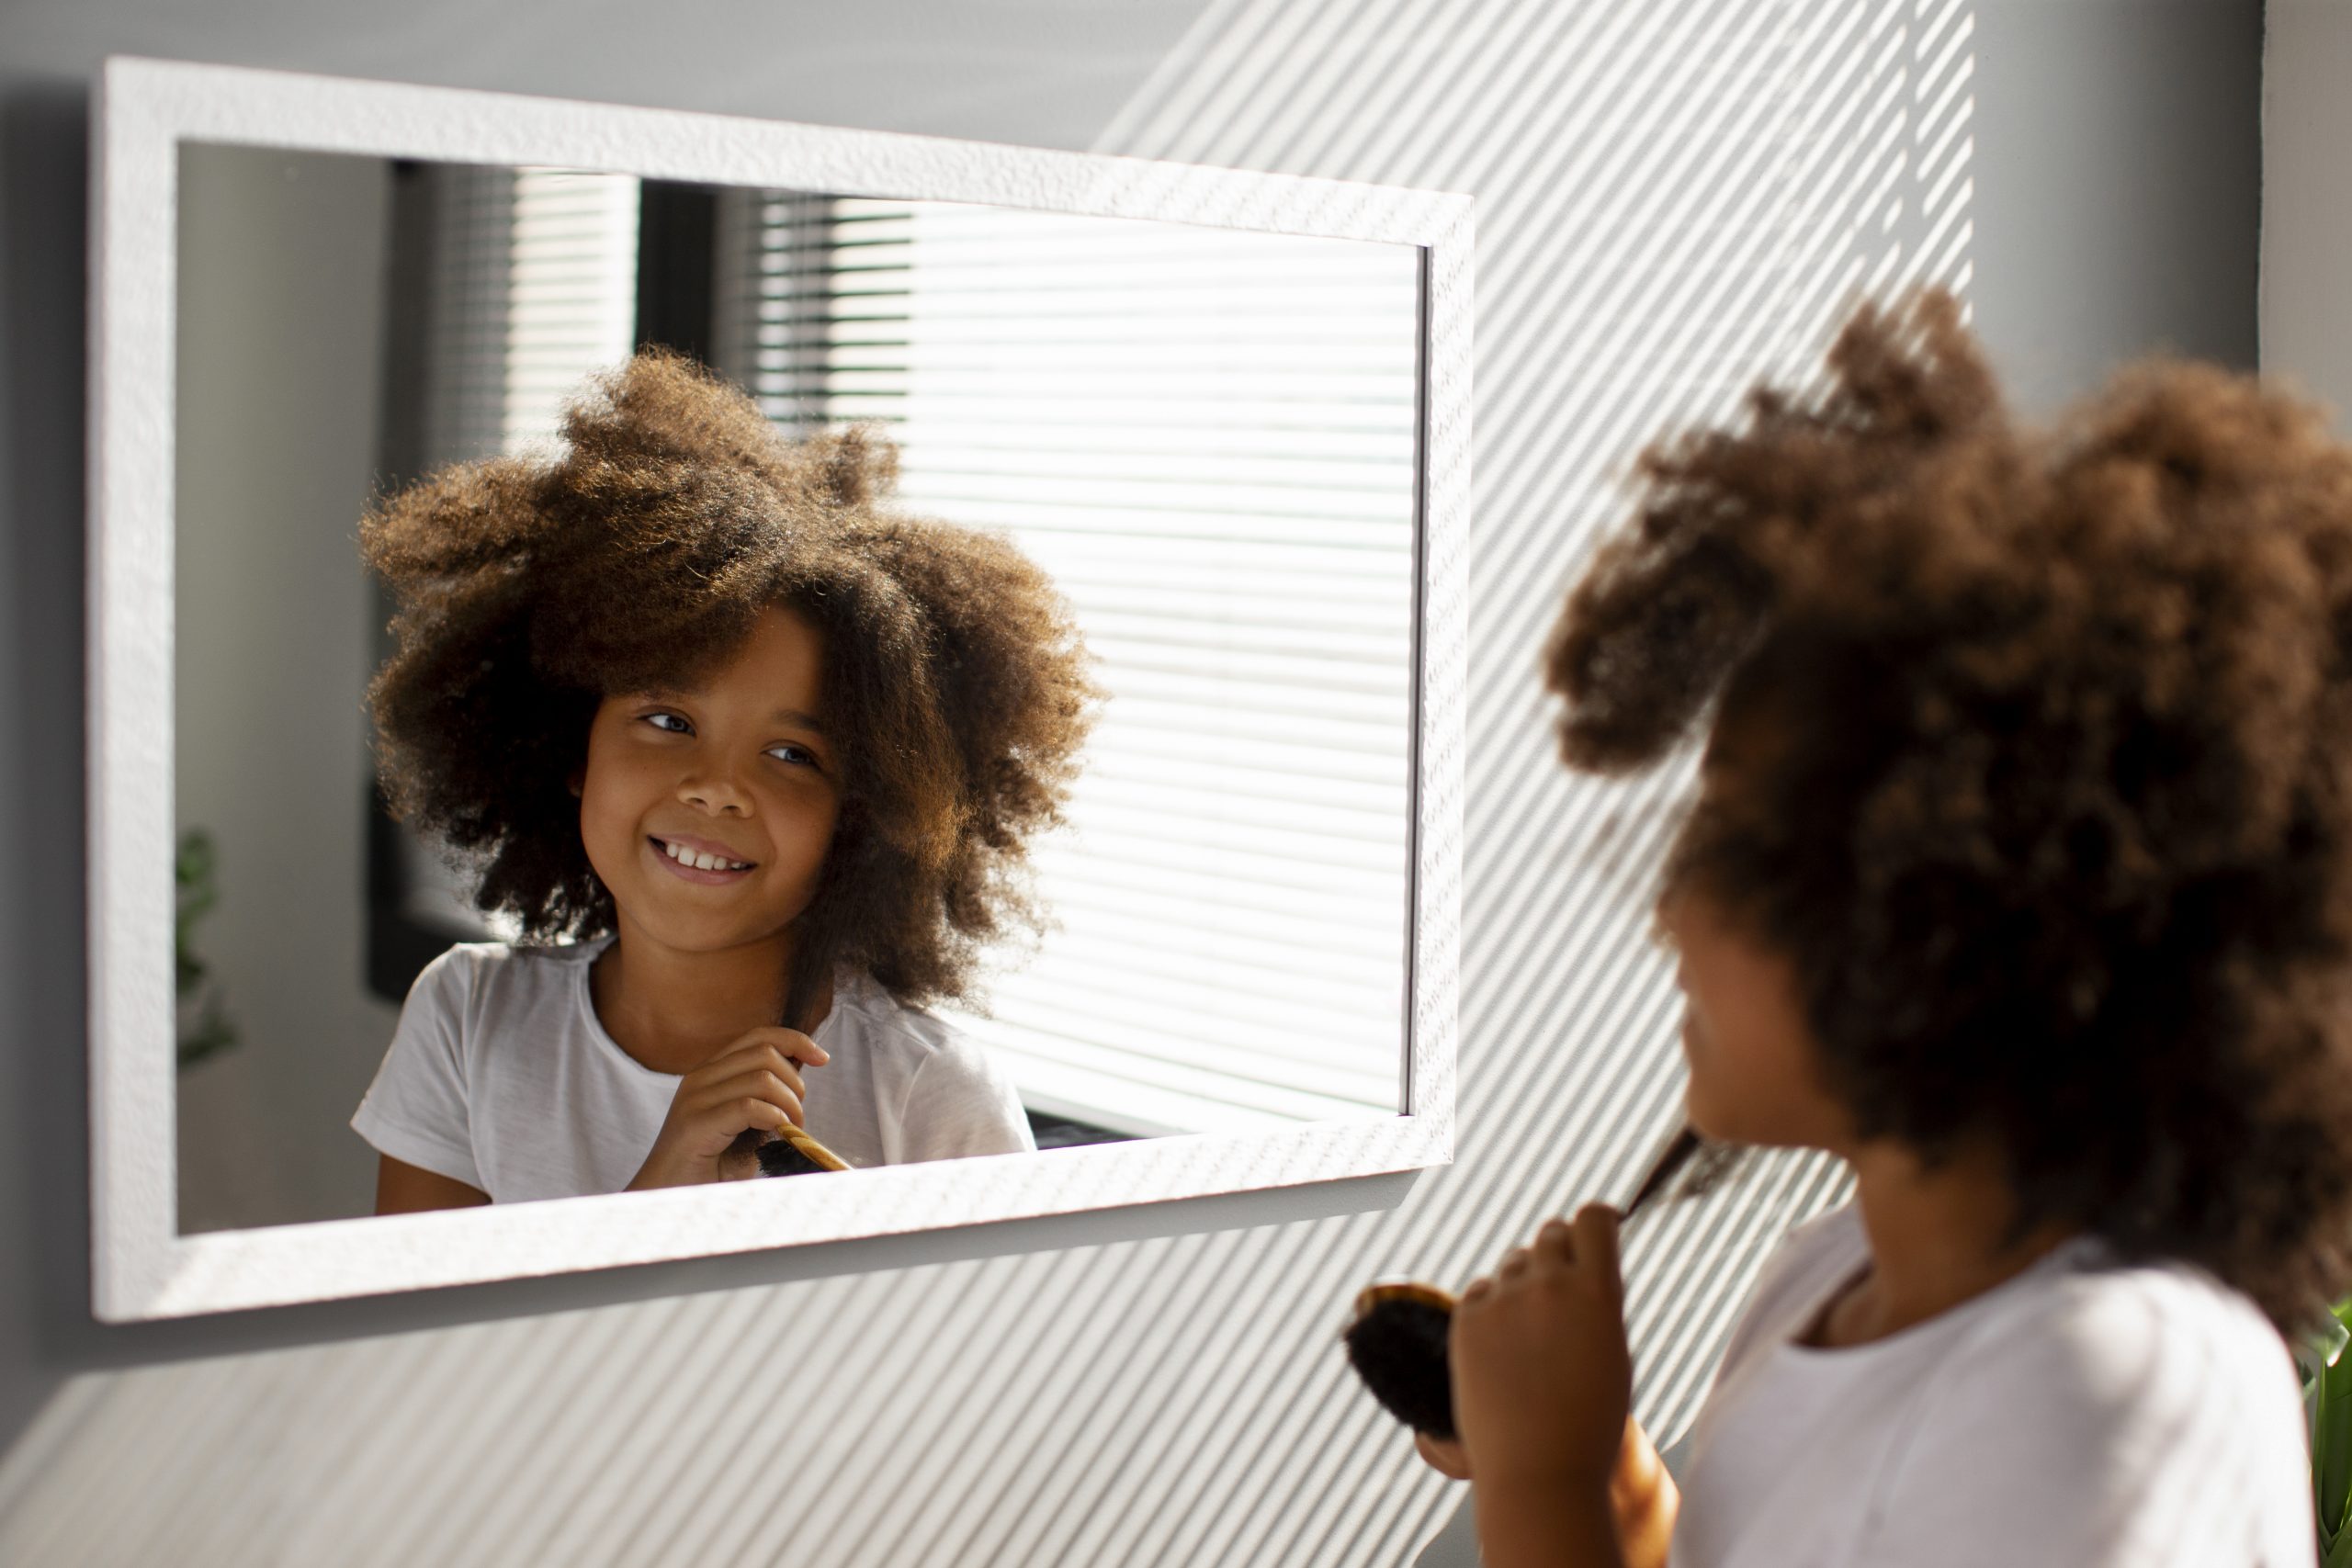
(1208,438)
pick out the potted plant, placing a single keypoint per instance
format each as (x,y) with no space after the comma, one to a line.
(204,1026)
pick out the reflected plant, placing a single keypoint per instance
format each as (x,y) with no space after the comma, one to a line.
(2327,1398)
(204,1026)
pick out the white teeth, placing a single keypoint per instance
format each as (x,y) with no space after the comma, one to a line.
(685,856)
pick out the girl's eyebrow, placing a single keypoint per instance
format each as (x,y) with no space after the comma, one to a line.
(795,716)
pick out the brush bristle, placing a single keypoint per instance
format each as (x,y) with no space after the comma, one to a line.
(1398,1347)
(778,1157)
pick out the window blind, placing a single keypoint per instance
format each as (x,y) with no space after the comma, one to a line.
(531,287)
(1208,438)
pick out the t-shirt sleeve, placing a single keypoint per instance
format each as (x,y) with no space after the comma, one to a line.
(416,1111)
(2116,1427)
(960,1103)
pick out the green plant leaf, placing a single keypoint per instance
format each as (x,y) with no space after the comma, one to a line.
(212,1032)
(194,864)
(2332,1451)
(2320,1350)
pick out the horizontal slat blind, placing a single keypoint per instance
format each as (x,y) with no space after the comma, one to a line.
(1208,438)
(531,287)
(571,296)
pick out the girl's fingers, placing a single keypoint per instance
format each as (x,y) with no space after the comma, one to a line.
(730,1069)
(712,1132)
(1558,1238)
(758,1084)
(1516,1264)
(790,1043)
(1595,1233)
(771,1082)
(761,1113)
(767,1053)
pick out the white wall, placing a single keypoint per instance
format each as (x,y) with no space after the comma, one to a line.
(1673,195)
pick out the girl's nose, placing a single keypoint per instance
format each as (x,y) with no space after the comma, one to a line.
(714,793)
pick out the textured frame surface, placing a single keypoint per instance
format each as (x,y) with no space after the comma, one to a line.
(142,1267)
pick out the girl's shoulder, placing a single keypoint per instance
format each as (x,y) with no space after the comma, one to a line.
(2078,1306)
(901,1042)
(938,1093)
(2152,1336)
(2140,1413)
(2044,1420)
(472,975)
(878,1021)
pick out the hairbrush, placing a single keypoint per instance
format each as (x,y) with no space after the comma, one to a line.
(795,1152)
(788,1152)
(1396,1341)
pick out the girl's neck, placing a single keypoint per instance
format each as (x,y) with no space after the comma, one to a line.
(1938,1236)
(673,1010)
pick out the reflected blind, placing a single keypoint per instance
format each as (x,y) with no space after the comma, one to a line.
(1208,438)
(530,286)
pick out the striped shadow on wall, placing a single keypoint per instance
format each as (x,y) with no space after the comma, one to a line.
(1676,197)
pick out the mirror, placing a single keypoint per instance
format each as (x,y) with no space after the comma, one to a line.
(1215,437)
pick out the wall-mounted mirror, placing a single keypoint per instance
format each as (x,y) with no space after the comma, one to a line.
(1226,414)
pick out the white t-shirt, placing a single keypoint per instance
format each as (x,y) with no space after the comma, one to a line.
(2073,1417)
(501,1077)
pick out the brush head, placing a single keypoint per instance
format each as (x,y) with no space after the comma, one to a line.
(778,1157)
(1396,1345)
(795,1152)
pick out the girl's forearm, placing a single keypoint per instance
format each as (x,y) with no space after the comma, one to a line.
(1644,1500)
(1550,1520)
(1547,1522)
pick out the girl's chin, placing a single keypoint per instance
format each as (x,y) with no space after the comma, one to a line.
(696,919)
(683,936)
(1705,1117)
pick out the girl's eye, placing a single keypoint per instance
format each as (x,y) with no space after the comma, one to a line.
(669,723)
(800,755)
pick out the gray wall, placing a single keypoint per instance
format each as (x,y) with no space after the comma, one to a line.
(1672,194)
(2307,200)
(281,297)
(2119,186)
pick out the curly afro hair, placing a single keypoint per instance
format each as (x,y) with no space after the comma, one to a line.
(642,554)
(2038,773)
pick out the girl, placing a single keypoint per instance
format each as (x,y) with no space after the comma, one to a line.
(2019,877)
(770,753)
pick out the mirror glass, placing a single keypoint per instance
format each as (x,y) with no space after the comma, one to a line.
(1207,437)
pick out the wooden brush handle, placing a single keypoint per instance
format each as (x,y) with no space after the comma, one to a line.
(1670,1160)
(818,1153)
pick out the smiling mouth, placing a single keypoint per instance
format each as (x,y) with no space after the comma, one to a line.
(698,860)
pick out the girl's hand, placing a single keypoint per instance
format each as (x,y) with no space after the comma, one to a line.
(755,1083)
(1543,1381)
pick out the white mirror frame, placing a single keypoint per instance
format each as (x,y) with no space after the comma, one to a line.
(142,1266)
